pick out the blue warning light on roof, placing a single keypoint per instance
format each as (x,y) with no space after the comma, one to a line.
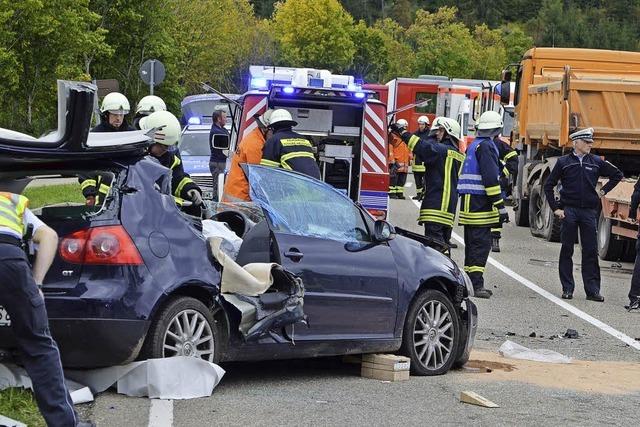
(195,120)
(288,90)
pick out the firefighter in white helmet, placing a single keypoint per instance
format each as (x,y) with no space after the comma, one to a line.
(147,105)
(418,167)
(167,135)
(288,149)
(113,110)
(399,159)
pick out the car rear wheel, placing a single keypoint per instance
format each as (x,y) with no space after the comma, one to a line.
(431,333)
(184,327)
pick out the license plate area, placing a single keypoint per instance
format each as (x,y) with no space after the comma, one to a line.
(4,317)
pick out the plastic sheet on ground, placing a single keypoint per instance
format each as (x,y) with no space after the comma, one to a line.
(516,351)
(171,378)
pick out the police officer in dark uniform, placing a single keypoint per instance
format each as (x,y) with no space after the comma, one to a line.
(418,168)
(634,292)
(21,297)
(509,163)
(481,203)
(578,208)
(288,149)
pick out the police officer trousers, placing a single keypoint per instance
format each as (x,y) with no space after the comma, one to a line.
(634,292)
(40,356)
(584,221)
(477,245)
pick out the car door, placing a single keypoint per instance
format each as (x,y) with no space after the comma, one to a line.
(351,283)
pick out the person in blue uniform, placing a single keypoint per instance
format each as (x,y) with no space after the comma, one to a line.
(509,163)
(579,207)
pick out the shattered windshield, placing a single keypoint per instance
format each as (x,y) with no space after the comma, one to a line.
(300,205)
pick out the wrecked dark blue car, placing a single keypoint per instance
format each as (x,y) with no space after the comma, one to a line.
(136,278)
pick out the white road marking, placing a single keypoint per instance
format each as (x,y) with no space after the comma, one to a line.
(554,299)
(161,413)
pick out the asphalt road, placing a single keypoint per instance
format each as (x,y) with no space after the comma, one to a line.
(329,392)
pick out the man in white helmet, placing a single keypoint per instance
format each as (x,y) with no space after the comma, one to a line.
(236,187)
(113,110)
(288,149)
(166,136)
(147,105)
(418,167)
(482,206)
(399,159)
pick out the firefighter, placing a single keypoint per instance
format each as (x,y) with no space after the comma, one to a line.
(481,204)
(288,149)
(579,209)
(443,162)
(418,167)
(21,296)
(634,292)
(166,136)
(509,167)
(147,105)
(236,188)
(115,106)
(399,158)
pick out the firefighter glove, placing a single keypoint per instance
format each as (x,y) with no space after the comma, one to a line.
(195,197)
(504,216)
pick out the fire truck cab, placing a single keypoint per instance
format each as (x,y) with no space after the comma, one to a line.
(346,125)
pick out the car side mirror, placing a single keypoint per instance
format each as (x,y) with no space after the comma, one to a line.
(383,231)
(220,142)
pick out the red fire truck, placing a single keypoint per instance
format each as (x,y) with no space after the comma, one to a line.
(345,123)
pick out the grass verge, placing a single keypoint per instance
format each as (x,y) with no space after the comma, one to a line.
(19,404)
(52,194)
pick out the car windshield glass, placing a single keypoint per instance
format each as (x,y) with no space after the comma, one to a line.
(204,108)
(195,144)
(300,205)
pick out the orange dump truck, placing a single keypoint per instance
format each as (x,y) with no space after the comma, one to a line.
(558,90)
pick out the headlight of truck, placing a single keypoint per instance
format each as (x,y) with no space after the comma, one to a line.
(467,283)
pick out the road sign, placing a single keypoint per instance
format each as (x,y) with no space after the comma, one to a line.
(152,72)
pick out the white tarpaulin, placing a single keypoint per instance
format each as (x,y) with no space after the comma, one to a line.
(171,378)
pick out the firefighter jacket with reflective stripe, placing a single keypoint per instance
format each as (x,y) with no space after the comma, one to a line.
(181,182)
(443,162)
(418,162)
(12,207)
(399,153)
(508,157)
(479,186)
(96,185)
(290,150)
(249,151)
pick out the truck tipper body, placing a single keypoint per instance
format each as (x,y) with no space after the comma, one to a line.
(557,91)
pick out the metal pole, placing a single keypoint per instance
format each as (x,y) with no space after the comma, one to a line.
(151,79)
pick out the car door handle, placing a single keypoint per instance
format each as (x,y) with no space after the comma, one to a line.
(294,255)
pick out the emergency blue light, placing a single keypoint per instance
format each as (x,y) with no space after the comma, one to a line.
(359,95)
(194,120)
(288,90)
(258,83)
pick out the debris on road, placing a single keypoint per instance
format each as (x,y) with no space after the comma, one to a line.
(571,333)
(533,335)
(385,367)
(475,399)
(510,334)
(513,350)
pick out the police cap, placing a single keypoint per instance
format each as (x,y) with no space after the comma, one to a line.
(583,134)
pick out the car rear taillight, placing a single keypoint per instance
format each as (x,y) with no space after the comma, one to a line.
(110,245)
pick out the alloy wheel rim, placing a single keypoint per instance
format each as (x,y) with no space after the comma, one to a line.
(433,335)
(189,334)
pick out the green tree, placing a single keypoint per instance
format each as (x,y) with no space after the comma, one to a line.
(516,42)
(314,33)
(371,58)
(402,12)
(401,60)
(490,55)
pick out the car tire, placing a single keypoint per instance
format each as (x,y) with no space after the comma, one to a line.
(179,330)
(440,348)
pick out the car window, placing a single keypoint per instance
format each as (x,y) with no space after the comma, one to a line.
(195,144)
(297,204)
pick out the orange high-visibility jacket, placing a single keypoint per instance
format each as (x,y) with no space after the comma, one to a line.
(399,153)
(249,151)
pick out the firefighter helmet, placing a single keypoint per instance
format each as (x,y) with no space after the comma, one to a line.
(167,125)
(265,118)
(115,103)
(402,123)
(150,104)
(281,118)
(436,124)
(490,120)
(450,126)
(423,120)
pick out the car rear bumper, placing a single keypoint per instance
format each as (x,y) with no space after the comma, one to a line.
(91,343)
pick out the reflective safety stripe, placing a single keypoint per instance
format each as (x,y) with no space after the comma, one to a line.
(496,203)
(270,163)
(493,191)
(467,203)
(176,162)
(184,181)
(12,207)
(104,189)
(470,177)
(509,155)
(178,200)
(88,183)
(413,141)
(456,155)
(433,215)
(505,171)
(474,269)
(296,154)
(476,187)
(419,167)
(496,230)
(291,142)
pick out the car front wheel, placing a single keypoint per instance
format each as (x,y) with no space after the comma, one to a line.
(431,333)
(184,327)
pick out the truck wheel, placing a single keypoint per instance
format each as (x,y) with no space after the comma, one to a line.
(609,248)
(542,222)
(522,213)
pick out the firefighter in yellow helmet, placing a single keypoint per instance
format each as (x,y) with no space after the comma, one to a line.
(167,135)
(418,167)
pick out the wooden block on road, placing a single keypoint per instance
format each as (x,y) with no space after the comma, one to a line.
(475,399)
(392,362)
(378,374)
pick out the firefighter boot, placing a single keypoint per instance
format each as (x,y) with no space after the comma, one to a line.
(495,243)
(482,293)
